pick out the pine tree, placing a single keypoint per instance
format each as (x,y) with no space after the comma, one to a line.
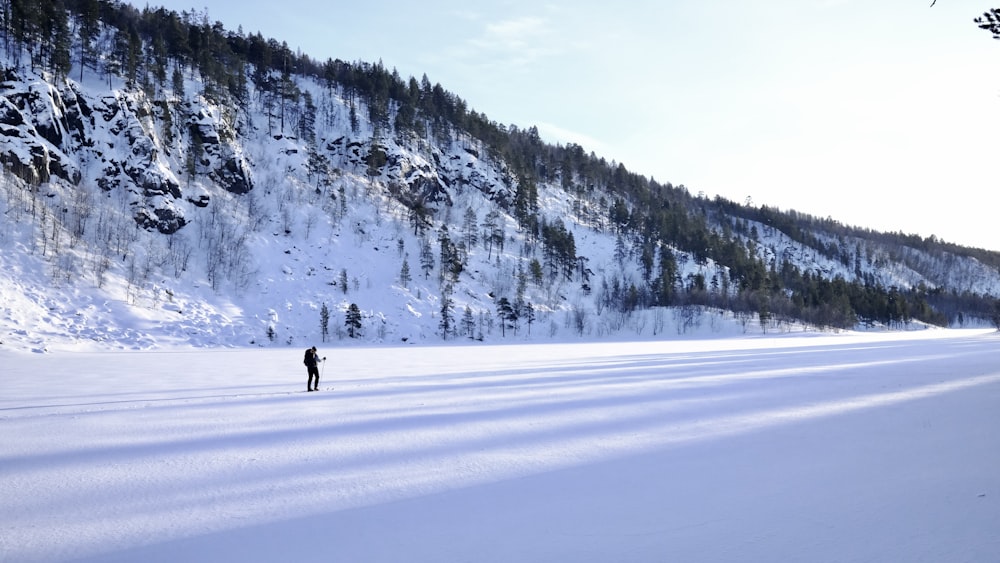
(56,23)
(507,314)
(324,321)
(621,252)
(668,273)
(468,323)
(342,280)
(426,258)
(493,234)
(537,273)
(470,228)
(446,253)
(447,322)
(529,315)
(522,285)
(352,320)
(404,274)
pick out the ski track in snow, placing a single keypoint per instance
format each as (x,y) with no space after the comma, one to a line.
(820,448)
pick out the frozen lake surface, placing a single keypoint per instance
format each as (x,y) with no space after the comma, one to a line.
(850,447)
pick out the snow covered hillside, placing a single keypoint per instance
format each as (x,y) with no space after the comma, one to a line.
(148,217)
(851,447)
(255,267)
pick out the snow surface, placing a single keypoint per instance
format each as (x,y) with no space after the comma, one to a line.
(805,447)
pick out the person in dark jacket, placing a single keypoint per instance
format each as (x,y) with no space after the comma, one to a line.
(312,361)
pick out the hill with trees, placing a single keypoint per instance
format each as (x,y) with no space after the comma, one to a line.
(161,158)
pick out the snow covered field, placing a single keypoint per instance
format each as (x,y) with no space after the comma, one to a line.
(850,447)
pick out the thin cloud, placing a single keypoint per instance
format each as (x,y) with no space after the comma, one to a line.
(554,133)
(516,33)
(515,42)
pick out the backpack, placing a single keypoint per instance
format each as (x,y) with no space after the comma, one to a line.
(306,359)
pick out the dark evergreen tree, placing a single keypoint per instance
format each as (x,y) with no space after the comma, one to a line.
(529,315)
(468,323)
(447,254)
(324,321)
(342,281)
(668,275)
(508,315)
(352,320)
(493,233)
(426,258)
(447,321)
(404,274)
(57,38)
(537,273)
(470,228)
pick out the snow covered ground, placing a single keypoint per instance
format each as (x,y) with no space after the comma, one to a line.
(849,447)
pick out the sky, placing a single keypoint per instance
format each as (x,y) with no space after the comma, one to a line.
(877,114)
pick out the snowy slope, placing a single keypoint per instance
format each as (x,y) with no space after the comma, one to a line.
(247,235)
(285,244)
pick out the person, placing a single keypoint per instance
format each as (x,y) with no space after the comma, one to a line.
(312,361)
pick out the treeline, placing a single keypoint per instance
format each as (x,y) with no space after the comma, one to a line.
(656,223)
